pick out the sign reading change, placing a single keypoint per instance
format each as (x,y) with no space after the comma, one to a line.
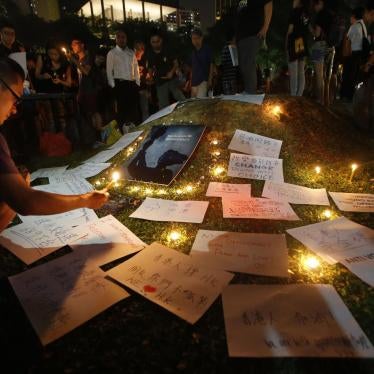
(164,153)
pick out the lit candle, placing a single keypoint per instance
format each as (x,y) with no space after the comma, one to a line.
(327,213)
(218,170)
(63,49)
(174,235)
(354,167)
(311,263)
(179,191)
(216,153)
(318,169)
(189,188)
(276,110)
(215,142)
(115,178)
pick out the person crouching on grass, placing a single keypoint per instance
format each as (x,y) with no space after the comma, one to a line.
(16,195)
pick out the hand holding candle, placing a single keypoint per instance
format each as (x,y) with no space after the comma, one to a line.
(354,167)
(115,178)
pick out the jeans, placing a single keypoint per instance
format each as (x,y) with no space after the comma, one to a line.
(163,91)
(144,104)
(297,77)
(247,50)
(127,97)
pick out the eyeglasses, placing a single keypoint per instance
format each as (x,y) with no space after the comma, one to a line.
(16,96)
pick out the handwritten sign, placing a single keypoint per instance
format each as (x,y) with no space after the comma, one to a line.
(332,240)
(72,218)
(255,167)
(296,320)
(254,144)
(161,113)
(80,172)
(48,172)
(126,140)
(31,242)
(259,254)
(172,280)
(354,202)
(216,189)
(248,99)
(257,208)
(103,156)
(171,211)
(294,194)
(63,294)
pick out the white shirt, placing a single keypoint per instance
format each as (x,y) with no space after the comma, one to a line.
(355,35)
(122,64)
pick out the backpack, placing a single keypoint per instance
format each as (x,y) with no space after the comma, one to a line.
(366,46)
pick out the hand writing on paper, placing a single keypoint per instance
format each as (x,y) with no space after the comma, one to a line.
(96,199)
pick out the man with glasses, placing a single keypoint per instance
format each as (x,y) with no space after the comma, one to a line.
(16,196)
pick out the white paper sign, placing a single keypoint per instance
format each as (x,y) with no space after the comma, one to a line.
(82,171)
(336,239)
(172,280)
(72,218)
(216,189)
(234,55)
(259,254)
(126,140)
(103,156)
(161,113)
(171,211)
(294,194)
(255,167)
(20,58)
(354,202)
(249,99)
(257,208)
(254,144)
(63,294)
(296,320)
(48,172)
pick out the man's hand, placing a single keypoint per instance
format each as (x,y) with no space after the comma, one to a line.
(262,33)
(25,174)
(169,75)
(96,199)
(47,76)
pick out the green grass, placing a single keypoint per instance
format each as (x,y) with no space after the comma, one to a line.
(138,336)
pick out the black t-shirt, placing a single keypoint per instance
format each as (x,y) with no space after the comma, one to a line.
(250,18)
(297,40)
(324,20)
(161,63)
(5,51)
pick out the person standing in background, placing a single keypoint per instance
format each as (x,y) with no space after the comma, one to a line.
(123,75)
(144,93)
(355,37)
(202,66)
(253,21)
(162,67)
(8,42)
(296,45)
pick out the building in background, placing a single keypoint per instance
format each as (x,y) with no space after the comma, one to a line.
(120,10)
(183,17)
(223,6)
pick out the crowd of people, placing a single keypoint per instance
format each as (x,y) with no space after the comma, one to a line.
(131,83)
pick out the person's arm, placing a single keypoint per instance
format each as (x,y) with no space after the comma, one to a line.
(67,82)
(109,69)
(6,216)
(172,72)
(38,69)
(136,70)
(26,201)
(289,32)
(268,8)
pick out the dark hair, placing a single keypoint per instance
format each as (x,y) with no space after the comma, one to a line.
(197,32)
(121,30)
(10,71)
(156,32)
(358,13)
(8,24)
